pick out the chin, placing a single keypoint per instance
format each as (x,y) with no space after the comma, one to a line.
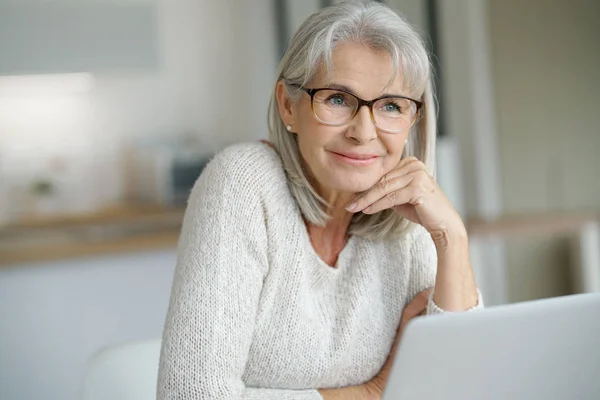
(352,183)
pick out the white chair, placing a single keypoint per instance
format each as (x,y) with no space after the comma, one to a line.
(124,372)
(586,258)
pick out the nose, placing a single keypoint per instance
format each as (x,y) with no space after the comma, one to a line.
(362,129)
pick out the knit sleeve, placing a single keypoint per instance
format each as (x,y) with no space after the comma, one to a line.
(222,261)
(424,269)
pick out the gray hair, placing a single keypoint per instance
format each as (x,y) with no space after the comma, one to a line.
(377,26)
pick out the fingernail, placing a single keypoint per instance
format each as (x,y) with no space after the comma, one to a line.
(366,210)
(352,207)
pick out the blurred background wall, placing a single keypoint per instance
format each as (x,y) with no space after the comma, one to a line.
(95,161)
(545,61)
(192,90)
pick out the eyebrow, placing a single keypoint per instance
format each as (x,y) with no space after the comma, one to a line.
(348,89)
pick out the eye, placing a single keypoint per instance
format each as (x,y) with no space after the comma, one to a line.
(336,99)
(391,107)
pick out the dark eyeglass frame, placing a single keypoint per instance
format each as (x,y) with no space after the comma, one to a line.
(361,102)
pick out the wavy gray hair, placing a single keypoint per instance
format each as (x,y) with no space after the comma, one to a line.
(375,25)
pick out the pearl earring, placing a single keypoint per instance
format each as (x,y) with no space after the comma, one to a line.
(289,128)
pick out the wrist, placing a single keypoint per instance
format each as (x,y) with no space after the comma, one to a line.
(450,239)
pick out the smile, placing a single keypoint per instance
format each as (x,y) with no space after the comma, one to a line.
(355,159)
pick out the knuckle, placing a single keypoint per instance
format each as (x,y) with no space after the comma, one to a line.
(422,172)
(383,183)
(416,192)
(391,197)
(422,184)
(420,175)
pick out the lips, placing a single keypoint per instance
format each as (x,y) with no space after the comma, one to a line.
(354,159)
(355,156)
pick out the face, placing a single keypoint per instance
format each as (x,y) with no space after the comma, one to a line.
(353,157)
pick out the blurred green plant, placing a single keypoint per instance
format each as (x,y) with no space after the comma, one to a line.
(42,187)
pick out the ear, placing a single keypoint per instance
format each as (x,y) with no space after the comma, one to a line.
(285,105)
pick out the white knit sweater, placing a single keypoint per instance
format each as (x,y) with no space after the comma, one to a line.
(256,314)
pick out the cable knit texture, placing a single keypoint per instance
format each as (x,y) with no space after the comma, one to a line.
(256,314)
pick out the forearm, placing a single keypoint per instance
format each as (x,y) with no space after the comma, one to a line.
(361,392)
(455,287)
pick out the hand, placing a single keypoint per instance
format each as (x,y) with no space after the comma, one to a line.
(413,193)
(416,307)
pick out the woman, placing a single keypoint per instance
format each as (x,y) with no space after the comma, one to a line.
(298,257)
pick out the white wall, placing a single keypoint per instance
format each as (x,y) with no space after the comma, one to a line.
(298,11)
(55,315)
(468,101)
(546,63)
(415,12)
(546,58)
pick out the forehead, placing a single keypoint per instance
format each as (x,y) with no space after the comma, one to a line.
(368,72)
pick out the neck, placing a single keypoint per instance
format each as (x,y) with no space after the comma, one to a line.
(329,240)
(338,201)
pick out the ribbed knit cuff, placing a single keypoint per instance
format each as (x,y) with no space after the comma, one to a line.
(277,394)
(433,308)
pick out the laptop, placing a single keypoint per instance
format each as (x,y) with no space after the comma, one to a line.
(539,350)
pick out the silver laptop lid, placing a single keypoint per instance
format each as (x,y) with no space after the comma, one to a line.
(540,350)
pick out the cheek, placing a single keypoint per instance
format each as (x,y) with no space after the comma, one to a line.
(310,141)
(312,136)
(395,147)
(303,116)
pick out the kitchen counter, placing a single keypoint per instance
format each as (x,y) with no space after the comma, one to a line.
(540,224)
(120,229)
(134,228)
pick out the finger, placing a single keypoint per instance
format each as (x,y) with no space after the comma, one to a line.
(406,195)
(407,318)
(416,307)
(406,166)
(412,313)
(418,302)
(406,161)
(393,180)
(379,191)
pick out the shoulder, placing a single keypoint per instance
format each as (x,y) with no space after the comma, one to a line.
(246,157)
(244,168)
(232,193)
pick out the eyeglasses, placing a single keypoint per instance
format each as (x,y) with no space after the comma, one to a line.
(336,107)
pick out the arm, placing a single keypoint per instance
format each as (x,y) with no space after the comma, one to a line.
(222,259)
(455,288)
(443,263)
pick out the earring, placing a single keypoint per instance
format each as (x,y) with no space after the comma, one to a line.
(289,128)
